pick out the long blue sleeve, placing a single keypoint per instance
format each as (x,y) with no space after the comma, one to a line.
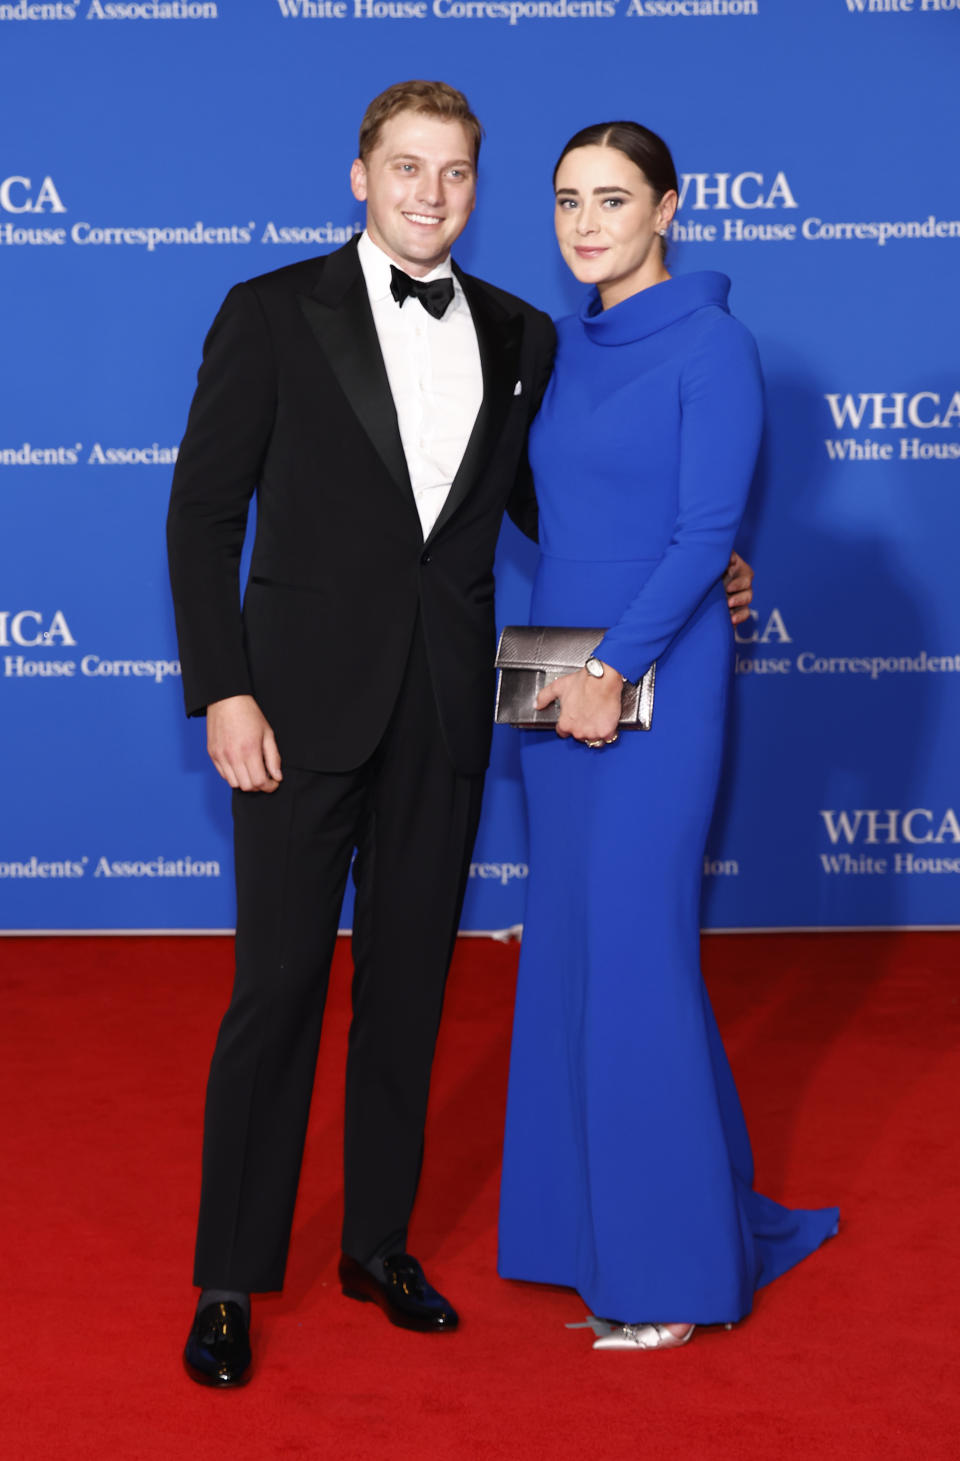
(721,411)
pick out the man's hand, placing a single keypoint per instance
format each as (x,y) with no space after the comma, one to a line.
(738,582)
(242,745)
(589,707)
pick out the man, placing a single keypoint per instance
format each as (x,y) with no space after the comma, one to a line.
(377,400)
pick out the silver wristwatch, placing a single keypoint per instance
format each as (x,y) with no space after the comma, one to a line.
(594,667)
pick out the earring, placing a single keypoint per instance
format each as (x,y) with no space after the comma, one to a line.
(662,232)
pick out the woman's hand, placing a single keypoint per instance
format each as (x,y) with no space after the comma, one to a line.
(738,582)
(589,706)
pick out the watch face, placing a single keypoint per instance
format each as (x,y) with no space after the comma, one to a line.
(594,667)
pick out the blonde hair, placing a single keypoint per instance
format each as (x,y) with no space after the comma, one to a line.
(431,98)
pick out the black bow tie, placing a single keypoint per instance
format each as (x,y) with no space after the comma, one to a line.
(434,294)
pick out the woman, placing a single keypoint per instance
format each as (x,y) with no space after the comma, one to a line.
(627,1169)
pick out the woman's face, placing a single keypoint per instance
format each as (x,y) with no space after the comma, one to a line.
(608,221)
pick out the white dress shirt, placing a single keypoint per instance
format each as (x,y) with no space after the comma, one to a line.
(433,367)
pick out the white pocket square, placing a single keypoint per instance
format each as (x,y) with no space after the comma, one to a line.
(518,389)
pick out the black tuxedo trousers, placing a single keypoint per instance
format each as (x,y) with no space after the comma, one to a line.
(412,819)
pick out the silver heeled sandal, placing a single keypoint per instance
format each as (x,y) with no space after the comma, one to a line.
(643,1336)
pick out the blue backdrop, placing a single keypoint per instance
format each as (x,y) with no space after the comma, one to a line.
(154,153)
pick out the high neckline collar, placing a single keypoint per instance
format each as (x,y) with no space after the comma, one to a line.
(653,309)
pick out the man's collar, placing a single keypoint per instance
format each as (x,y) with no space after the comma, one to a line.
(376,267)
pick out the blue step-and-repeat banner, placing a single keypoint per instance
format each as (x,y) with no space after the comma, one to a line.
(151,154)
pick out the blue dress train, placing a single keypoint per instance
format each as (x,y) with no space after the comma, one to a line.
(627,1170)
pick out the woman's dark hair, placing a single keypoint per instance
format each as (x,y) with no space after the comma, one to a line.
(644,148)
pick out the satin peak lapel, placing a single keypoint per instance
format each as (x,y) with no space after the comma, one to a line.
(498,337)
(342,323)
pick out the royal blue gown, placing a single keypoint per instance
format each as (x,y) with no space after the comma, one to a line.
(627,1171)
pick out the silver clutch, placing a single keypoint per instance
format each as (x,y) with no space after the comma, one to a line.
(528,658)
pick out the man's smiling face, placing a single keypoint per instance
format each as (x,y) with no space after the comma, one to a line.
(420,186)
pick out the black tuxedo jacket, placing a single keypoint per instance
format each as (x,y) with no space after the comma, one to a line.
(293,403)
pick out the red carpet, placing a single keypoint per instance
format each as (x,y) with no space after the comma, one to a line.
(846,1050)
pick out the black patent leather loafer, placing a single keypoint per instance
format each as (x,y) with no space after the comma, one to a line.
(404,1295)
(218,1349)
